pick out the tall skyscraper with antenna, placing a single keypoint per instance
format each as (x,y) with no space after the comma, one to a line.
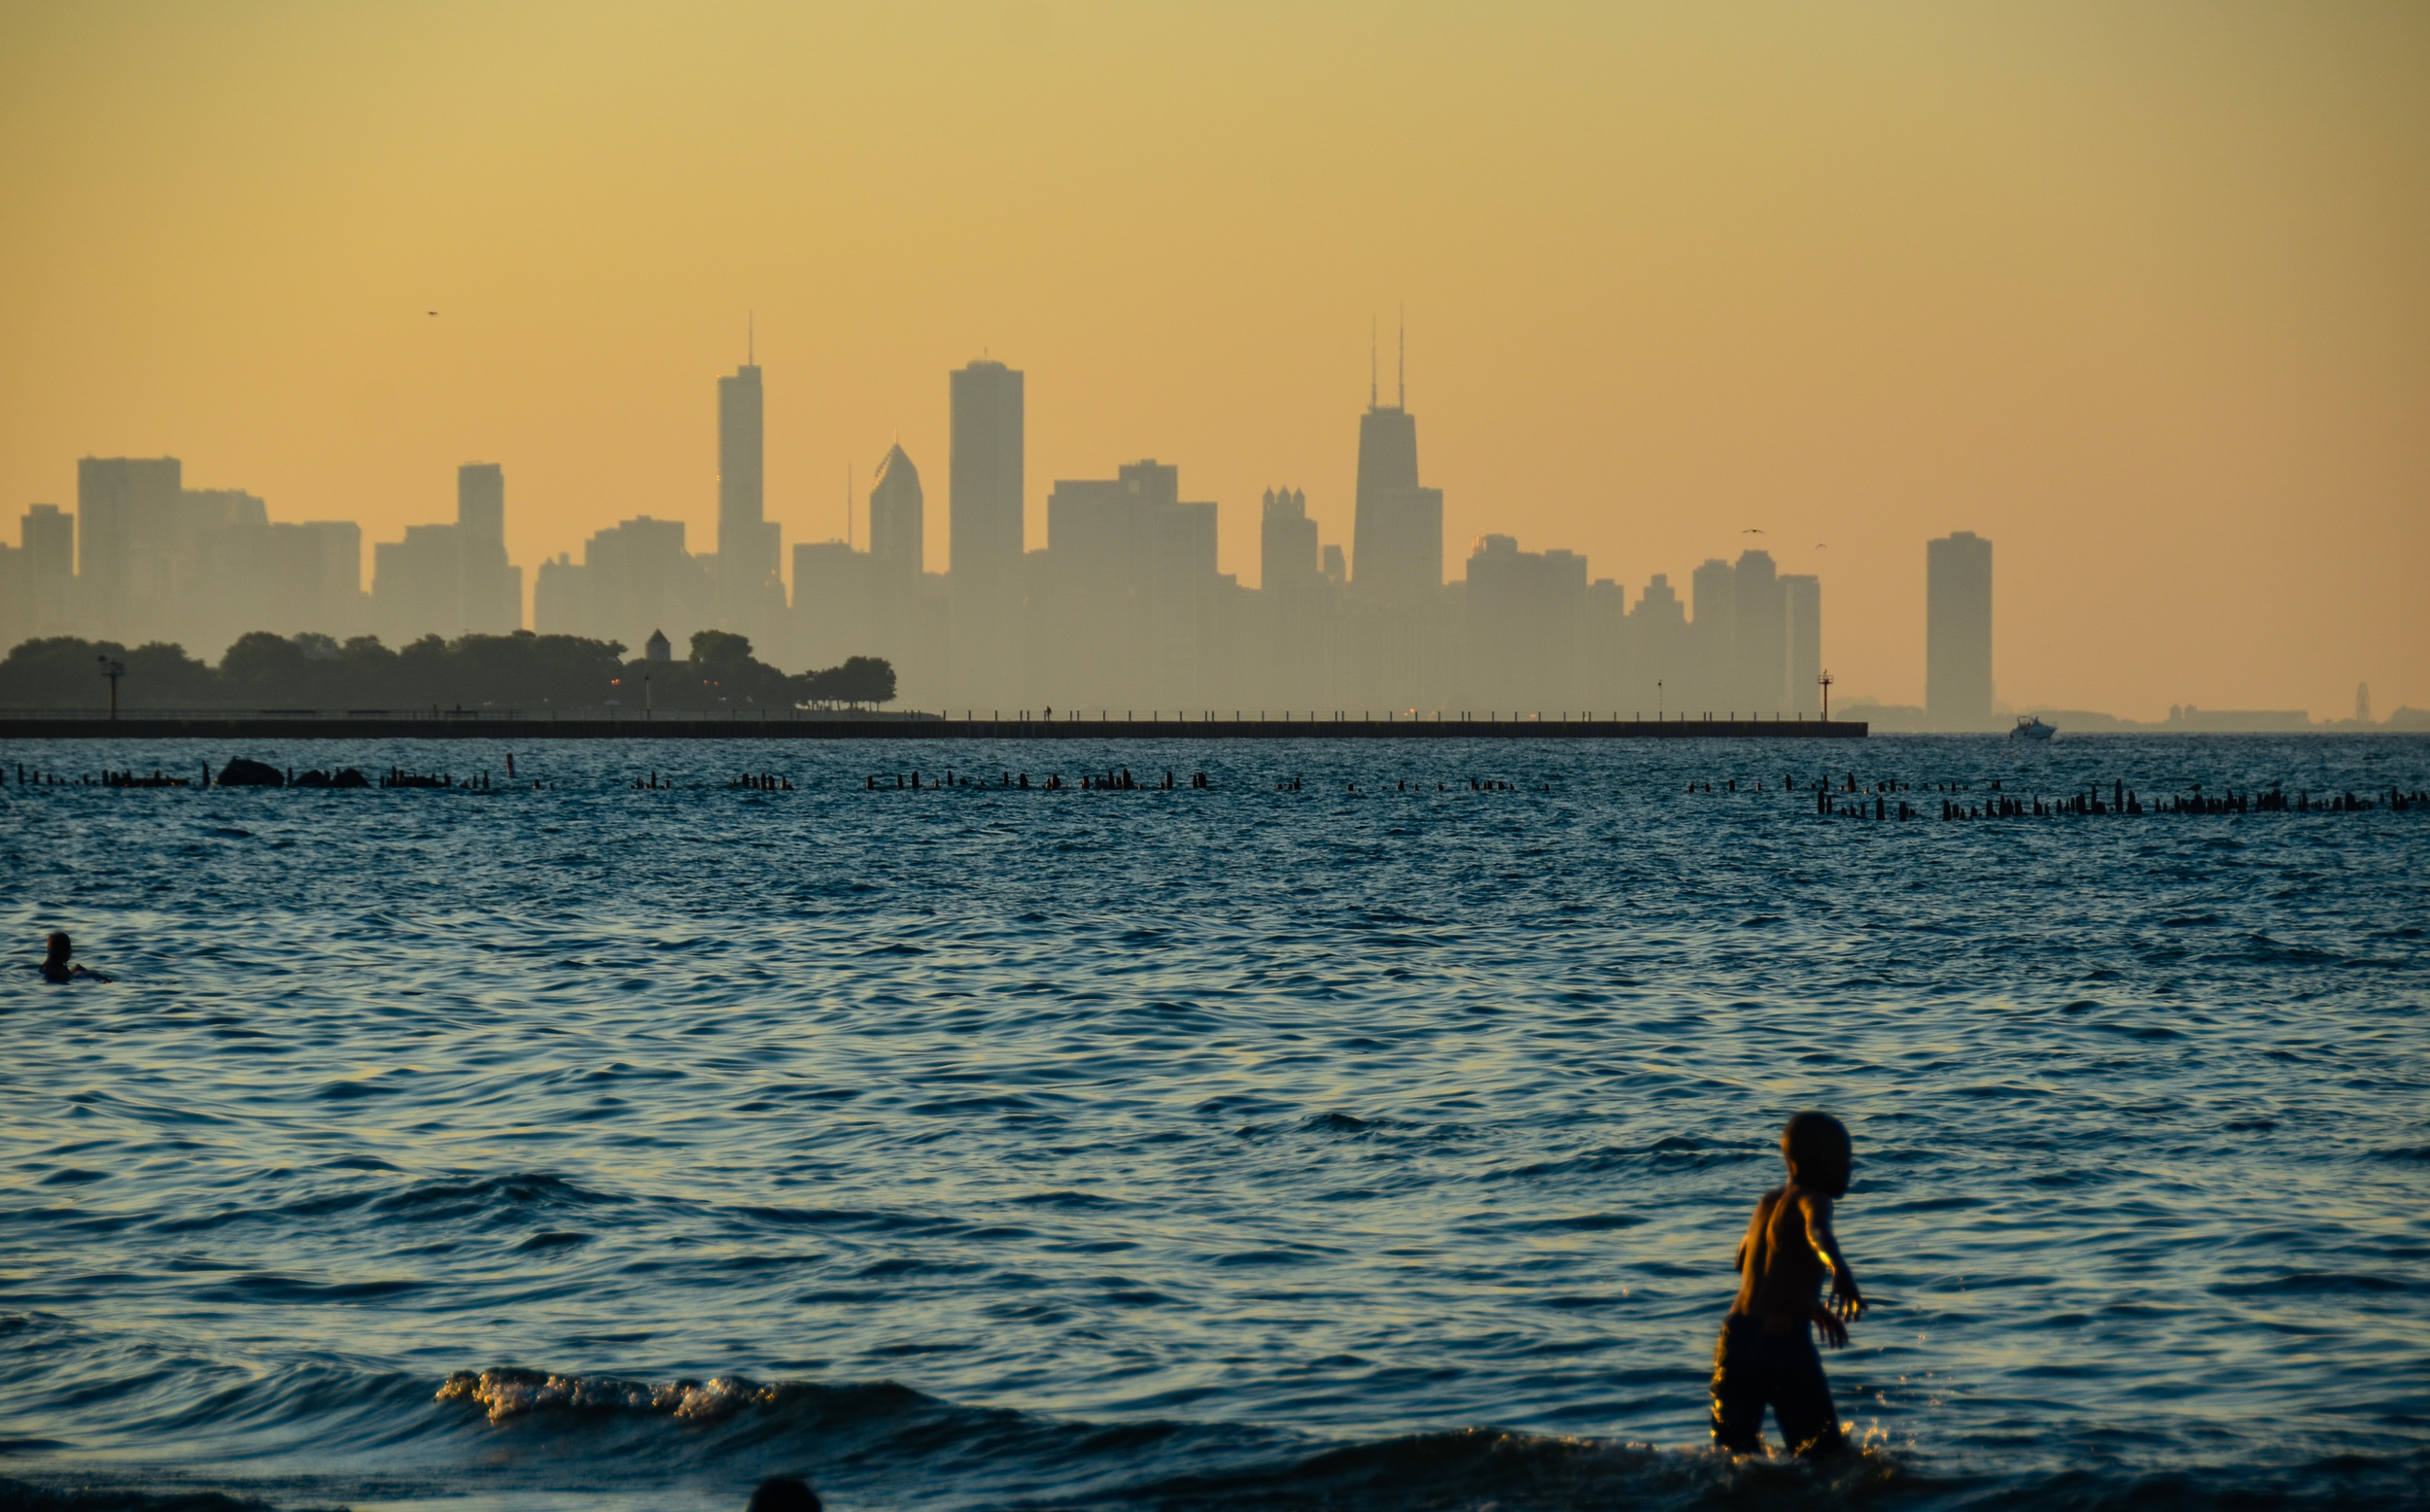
(748,545)
(1396,540)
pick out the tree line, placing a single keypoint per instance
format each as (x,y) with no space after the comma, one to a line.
(522,670)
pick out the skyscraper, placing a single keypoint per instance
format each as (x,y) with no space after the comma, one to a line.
(1525,619)
(1801,601)
(1286,539)
(1705,683)
(1396,535)
(984,476)
(984,483)
(748,543)
(415,585)
(489,592)
(46,535)
(898,517)
(451,579)
(1658,652)
(1958,632)
(1759,646)
(632,579)
(127,509)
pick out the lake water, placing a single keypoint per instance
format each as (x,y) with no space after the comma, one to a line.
(1211,1147)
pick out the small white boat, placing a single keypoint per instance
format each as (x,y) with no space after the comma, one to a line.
(2030,727)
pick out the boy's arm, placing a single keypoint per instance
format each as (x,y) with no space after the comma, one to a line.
(1847,1299)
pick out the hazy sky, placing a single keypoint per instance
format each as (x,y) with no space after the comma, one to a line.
(2141,292)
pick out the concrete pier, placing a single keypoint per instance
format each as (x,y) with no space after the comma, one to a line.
(808,725)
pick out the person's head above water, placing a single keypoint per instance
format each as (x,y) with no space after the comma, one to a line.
(1819,1152)
(785,1493)
(59,947)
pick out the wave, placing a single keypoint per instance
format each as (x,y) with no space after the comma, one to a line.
(504,1394)
(500,1437)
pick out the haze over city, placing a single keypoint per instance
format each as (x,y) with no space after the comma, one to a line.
(2138,297)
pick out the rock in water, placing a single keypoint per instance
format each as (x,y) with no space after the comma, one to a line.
(241,772)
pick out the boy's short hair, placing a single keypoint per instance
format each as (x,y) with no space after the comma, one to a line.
(1814,1139)
(785,1493)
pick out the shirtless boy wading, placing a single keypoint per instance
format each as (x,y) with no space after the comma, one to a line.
(1765,1356)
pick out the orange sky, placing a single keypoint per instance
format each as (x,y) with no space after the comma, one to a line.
(2141,293)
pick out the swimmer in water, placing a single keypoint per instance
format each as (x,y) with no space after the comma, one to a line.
(56,965)
(1766,1355)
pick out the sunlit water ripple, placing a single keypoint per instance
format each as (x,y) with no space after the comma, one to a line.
(1224,1147)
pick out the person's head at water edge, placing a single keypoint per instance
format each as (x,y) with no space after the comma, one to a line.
(1821,1156)
(785,1493)
(58,961)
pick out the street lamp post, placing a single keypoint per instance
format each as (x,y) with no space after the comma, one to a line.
(1826,681)
(113,669)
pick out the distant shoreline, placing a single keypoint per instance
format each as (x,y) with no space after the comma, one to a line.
(786,726)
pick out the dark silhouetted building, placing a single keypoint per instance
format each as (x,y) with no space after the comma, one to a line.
(1290,640)
(450,580)
(1958,632)
(1660,653)
(1526,621)
(1802,604)
(1400,649)
(984,485)
(1705,685)
(1130,619)
(489,589)
(128,511)
(1396,536)
(749,545)
(898,517)
(633,578)
(38,581)
(1286,540)
(877,603)
(1758,637)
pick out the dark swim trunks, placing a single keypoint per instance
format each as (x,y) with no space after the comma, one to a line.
(1754,1367)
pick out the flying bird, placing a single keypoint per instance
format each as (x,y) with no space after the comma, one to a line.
(434,311)
(1750,530)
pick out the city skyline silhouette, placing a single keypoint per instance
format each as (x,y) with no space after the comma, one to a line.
(1852,284)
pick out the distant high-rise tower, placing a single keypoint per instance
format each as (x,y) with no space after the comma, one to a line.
(1759,638)
(984,483)
(748,543)
(489,591)
(983,478)
(1286,539)
(1958,632)
(1801,601)
(1396,535)
(898,517)
(126,510)
(1712,638)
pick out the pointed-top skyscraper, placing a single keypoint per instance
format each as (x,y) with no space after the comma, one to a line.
(897,517)
(1396,540)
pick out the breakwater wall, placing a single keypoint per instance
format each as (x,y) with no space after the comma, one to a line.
(810,727)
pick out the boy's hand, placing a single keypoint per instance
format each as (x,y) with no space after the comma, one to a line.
(1846,1301)
(1835,1332)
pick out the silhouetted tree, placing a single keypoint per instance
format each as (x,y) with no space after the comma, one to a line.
(522,670)
(65,671)
(861,679)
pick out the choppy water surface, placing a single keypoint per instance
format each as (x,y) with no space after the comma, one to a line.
(1224,1148)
